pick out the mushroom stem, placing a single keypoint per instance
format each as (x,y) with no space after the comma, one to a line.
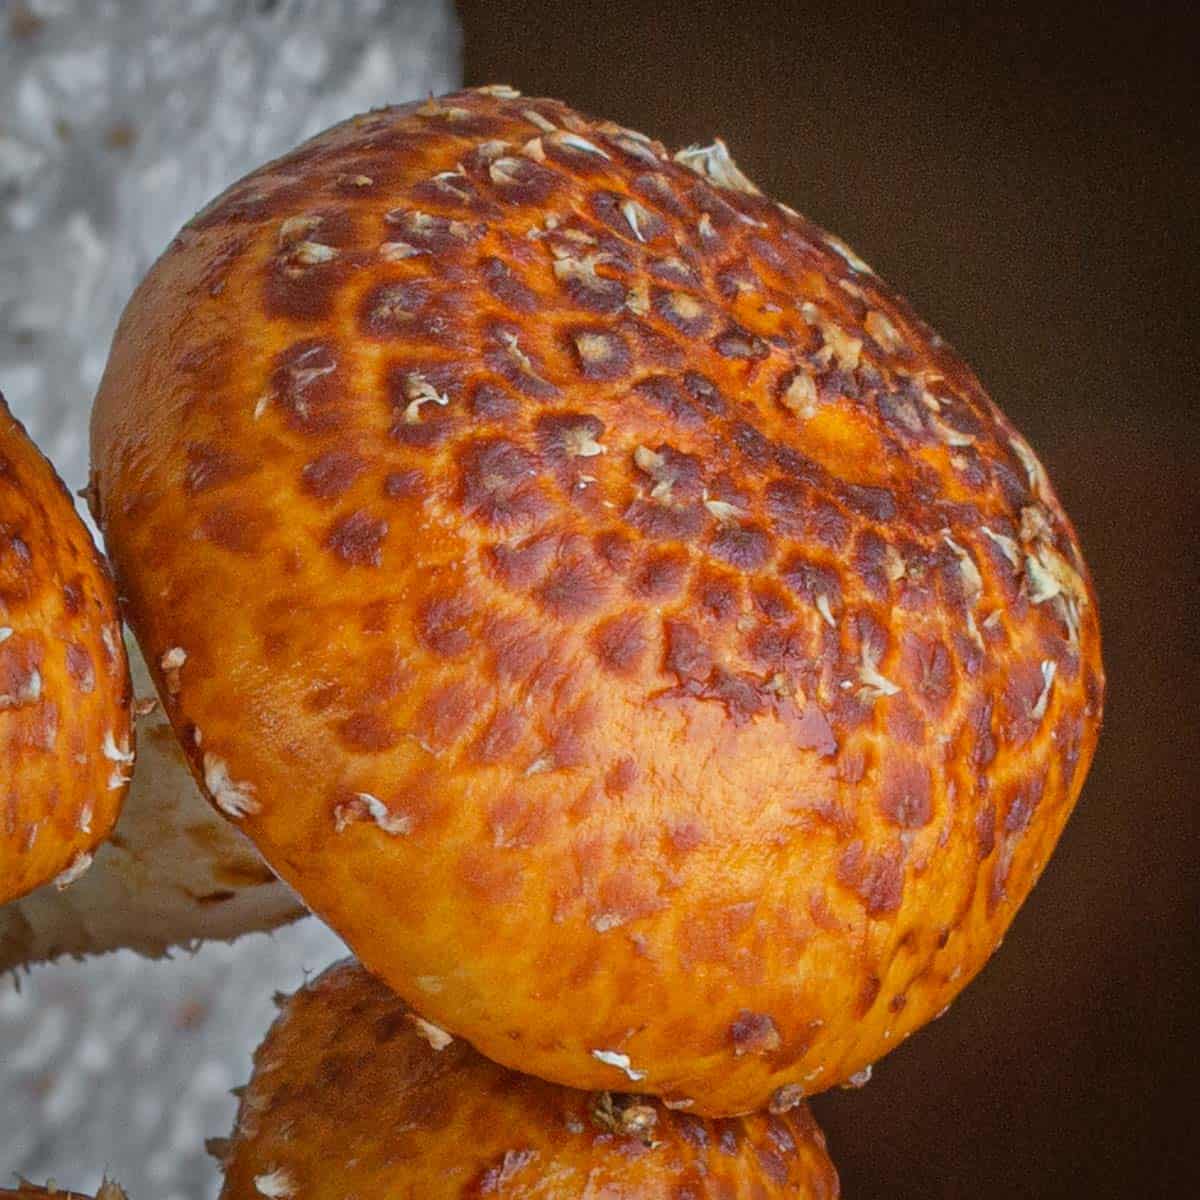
(174,872)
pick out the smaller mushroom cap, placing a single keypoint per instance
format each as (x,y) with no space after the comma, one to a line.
(354,1095)
(66,750)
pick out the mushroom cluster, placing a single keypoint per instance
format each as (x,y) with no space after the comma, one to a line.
(603,601)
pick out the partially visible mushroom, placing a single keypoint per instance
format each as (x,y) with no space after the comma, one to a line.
(66,745)
(353,1094)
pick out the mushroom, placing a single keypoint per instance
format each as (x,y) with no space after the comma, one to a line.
(637,712)
(65,736)
(350,1096)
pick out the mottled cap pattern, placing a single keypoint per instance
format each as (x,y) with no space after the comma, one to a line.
(353,1094)
(598,594)
(66,747)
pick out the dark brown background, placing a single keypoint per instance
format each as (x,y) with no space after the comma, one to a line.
(1027,179)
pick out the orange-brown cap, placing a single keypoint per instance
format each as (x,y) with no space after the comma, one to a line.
(354,1095)
(65,741)
(598,595)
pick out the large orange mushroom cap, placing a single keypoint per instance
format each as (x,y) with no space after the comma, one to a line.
(598,595)
(353,1095)
(65,740)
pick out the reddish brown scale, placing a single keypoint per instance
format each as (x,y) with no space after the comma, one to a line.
(368,733)
(754,1033)
(905,723)
(572,590)
(81,668)
(906,798)
(405,485)
(65,727)
(719,595)
(449,712)
(678,519)
(357,539)
(501,738)
(620,642)
(332,474)
(443,625)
